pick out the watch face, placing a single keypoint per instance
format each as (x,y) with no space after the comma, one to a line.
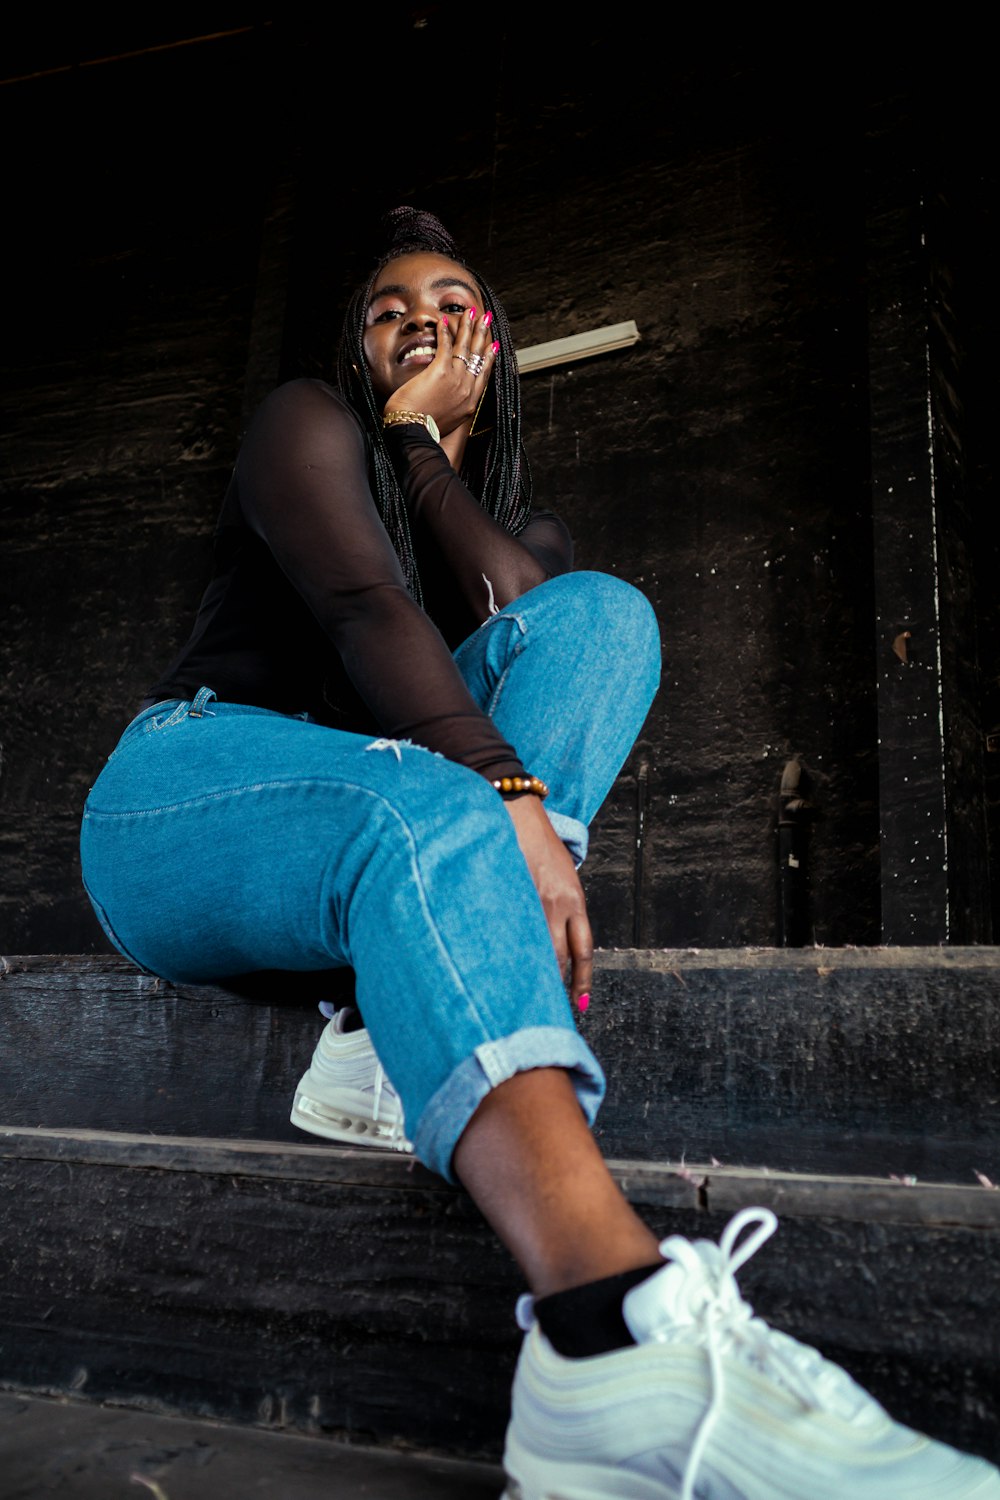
(432,428)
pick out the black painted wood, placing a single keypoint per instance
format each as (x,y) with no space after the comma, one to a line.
(85,1451)
(167,268)
(930,517)
(968,544)
(872,1061)
(878,1061)
(701,1186)
(912,809)
(190,1283)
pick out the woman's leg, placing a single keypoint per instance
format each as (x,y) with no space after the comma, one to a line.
(568,672)
(674,1397)
(221,839)
(530,1162)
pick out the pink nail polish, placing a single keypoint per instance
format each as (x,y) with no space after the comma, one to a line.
(487,319)
(583,1001)
(472,314)
(496,347)
(444,319)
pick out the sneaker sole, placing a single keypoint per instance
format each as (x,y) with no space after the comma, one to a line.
(340,1125)
(543,1479)
(612,1490)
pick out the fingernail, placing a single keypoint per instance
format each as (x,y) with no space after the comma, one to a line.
(444,319)
(472,314)
(496,347)
(583,1001)
(487,319)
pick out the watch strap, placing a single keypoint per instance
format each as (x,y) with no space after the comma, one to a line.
(397,418)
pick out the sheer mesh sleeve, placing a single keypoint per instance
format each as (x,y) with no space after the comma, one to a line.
(303,484)
(490,566)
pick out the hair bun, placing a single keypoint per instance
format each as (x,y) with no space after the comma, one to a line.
(408,229)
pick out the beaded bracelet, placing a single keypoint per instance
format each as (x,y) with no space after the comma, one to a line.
(510,786)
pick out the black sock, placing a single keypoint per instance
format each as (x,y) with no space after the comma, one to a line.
(588,1319)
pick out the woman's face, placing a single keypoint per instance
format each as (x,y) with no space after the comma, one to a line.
(408,300)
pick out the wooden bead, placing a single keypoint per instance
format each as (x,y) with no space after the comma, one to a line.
(534,784)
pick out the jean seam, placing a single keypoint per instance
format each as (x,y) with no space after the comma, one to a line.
(153,725)
(298,784)
(515,652)
(497,693)
(507,614)
(233,791)
(431,923)
(109,930)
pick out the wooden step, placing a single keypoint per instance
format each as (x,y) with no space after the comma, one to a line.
(876,1062)
(85,1451)
(355,1294)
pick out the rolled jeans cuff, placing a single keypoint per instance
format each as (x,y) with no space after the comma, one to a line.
(491,1063)
(573,833)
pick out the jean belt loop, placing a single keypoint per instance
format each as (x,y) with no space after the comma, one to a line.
(202,697)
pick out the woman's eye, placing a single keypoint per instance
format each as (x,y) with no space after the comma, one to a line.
(388,315)
(454,307)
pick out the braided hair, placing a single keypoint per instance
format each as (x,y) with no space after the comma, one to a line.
(500,477)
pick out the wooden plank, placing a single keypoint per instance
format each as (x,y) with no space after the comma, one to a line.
(316,1307)
(811,961)
(912,784)
(317,1162)
(927,529)
(90,1452)
(706,1186)
(838,1067)
(869,1200)
(387,1315)
(69,969)
(874,1062)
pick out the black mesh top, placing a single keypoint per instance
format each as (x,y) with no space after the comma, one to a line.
(307,610)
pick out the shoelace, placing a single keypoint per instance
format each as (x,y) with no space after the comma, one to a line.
(396,1131)
(724,1316)
(725,1324)
(705,1307)
(379,1080)
(331,1011)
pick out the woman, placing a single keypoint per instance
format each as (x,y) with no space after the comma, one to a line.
(381,748)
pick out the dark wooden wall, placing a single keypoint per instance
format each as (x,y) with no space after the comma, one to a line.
(792,463)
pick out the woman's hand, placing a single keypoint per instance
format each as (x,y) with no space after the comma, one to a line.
(561,893)
(447,388)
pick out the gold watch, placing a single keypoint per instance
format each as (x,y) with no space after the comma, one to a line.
(393,418)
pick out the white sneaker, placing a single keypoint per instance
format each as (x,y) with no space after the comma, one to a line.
(711,1404)
(346,1094)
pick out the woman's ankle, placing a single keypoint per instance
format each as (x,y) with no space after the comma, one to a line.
(531,1165)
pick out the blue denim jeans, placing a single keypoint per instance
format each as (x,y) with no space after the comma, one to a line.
(222,838)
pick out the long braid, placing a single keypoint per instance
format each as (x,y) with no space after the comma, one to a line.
(504,485)
(354,379)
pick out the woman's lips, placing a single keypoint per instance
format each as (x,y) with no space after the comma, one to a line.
(418,351)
